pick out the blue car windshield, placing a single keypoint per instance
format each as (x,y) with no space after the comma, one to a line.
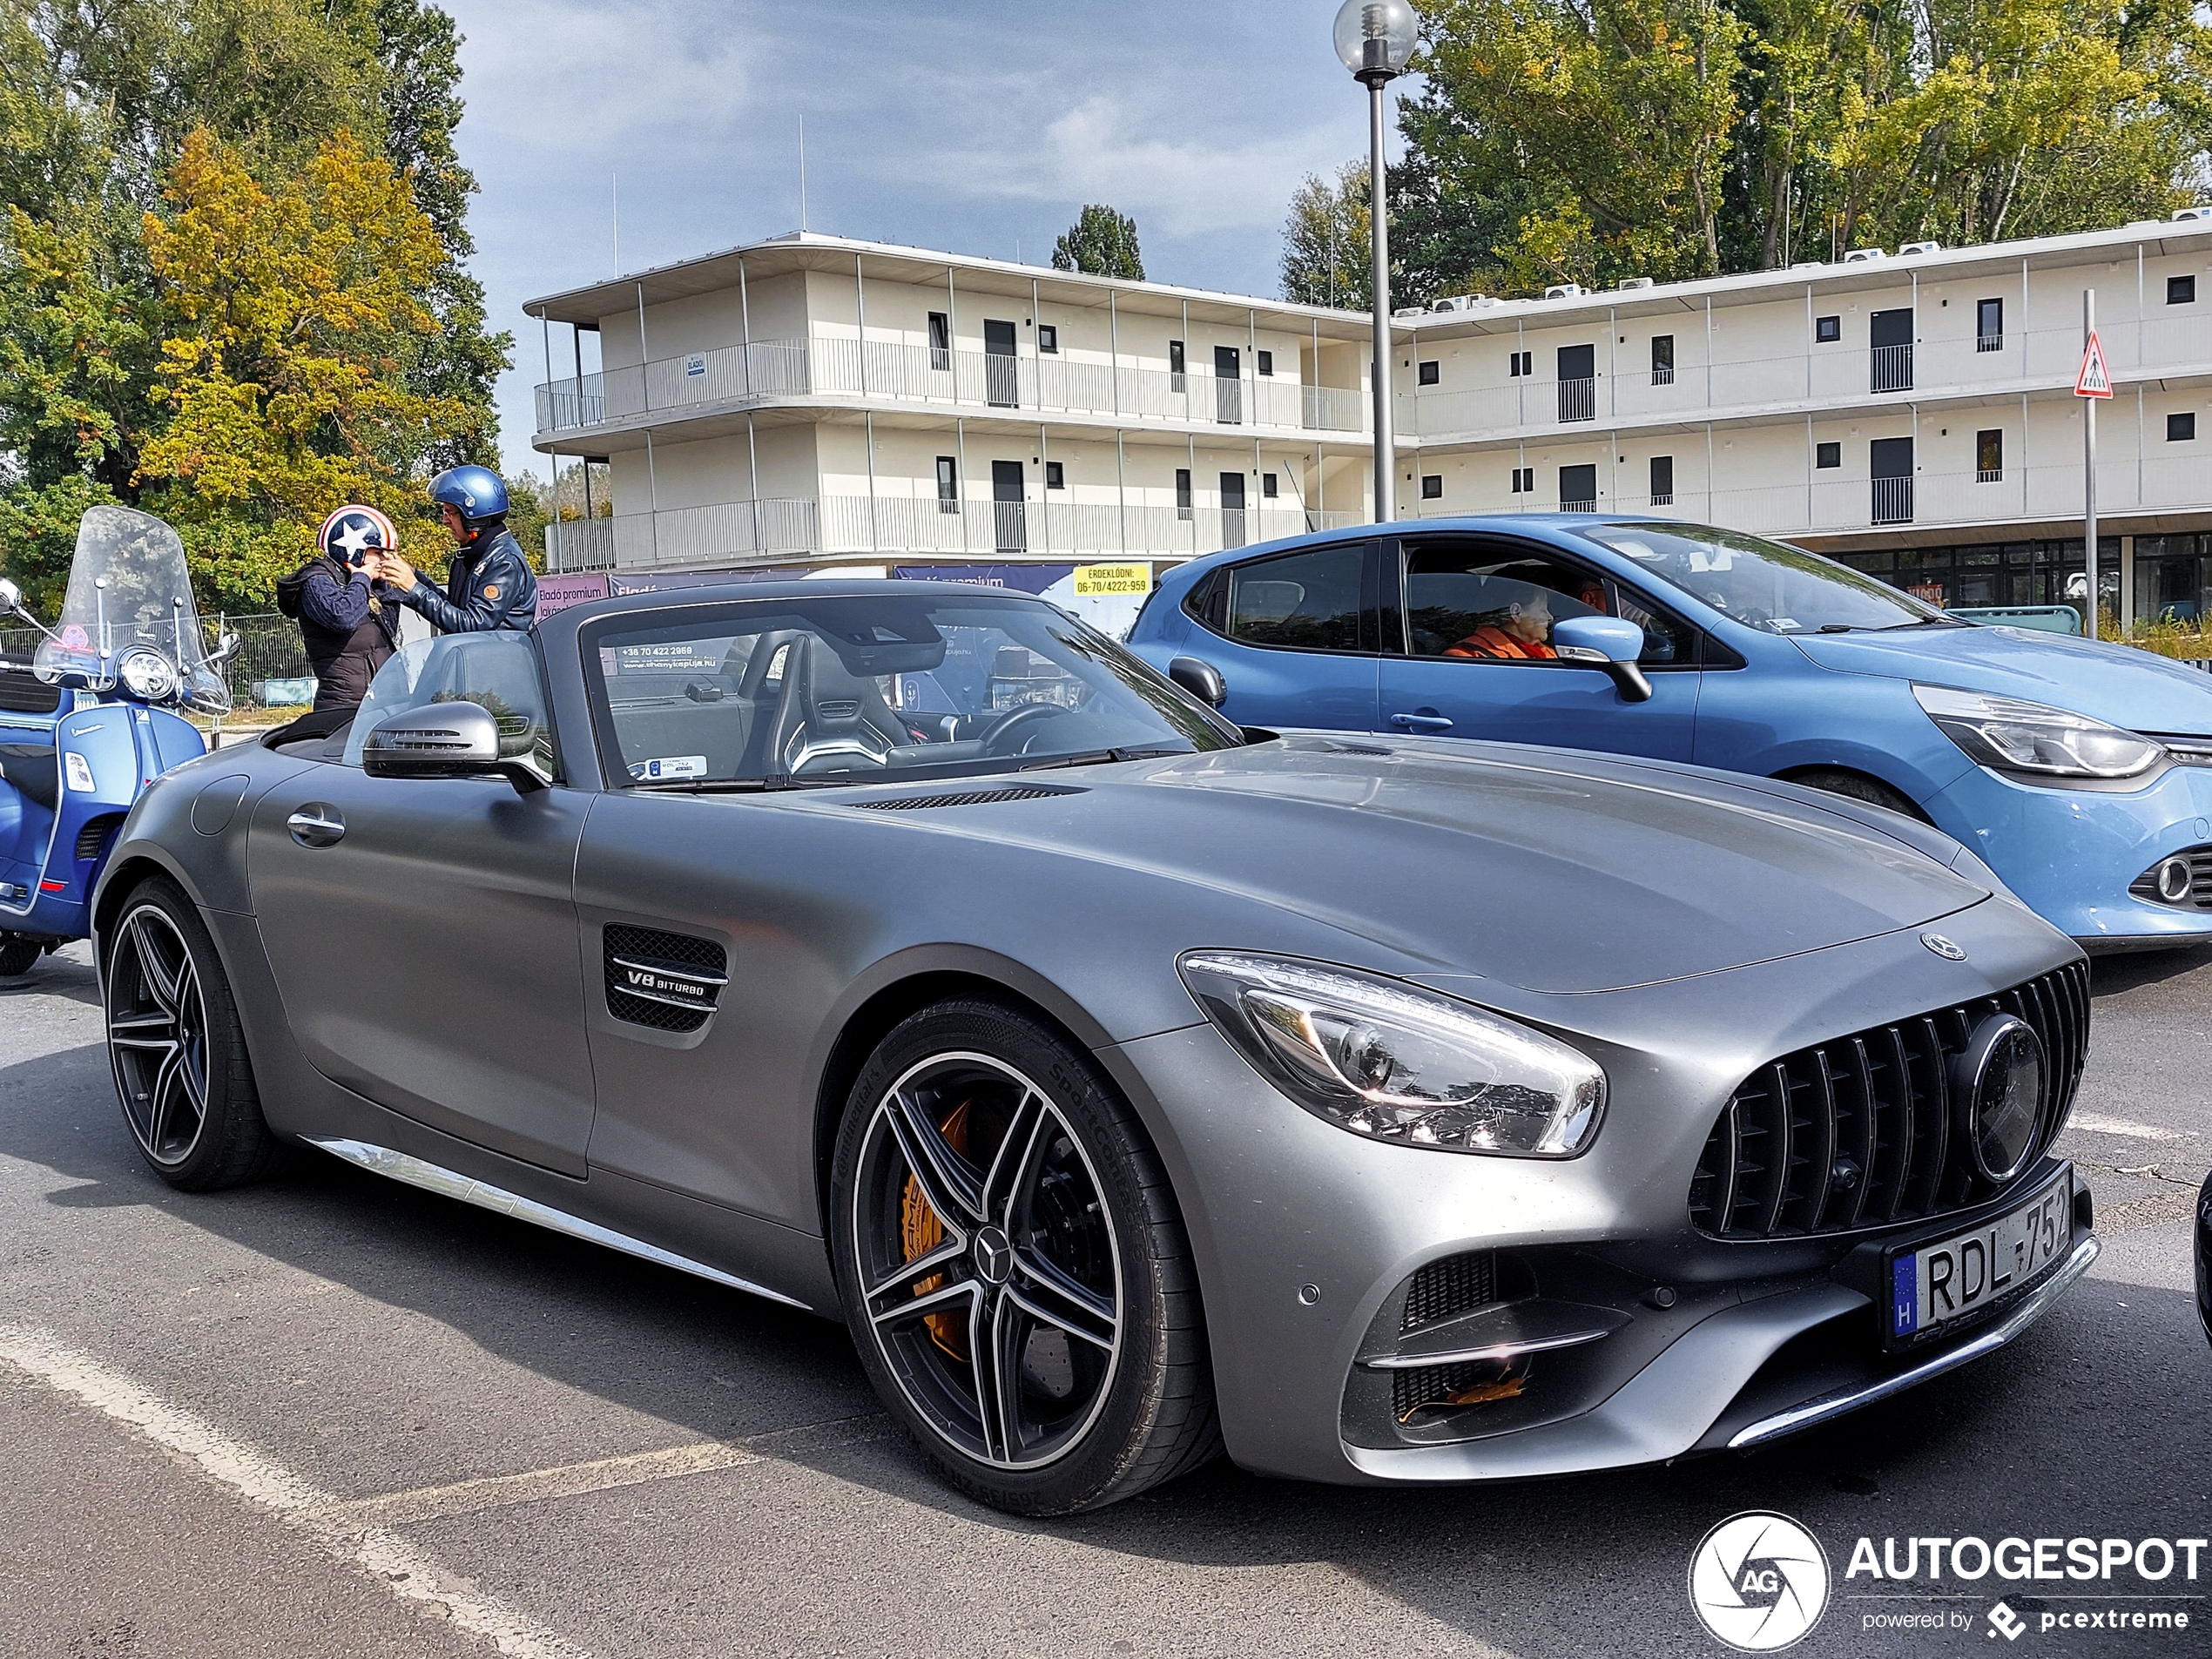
(1767,585)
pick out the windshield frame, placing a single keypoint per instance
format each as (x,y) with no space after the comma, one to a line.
(1914,612)
(737,615)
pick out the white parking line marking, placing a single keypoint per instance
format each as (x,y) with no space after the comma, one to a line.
(568,1480)
(409,1572)
(2098,1124)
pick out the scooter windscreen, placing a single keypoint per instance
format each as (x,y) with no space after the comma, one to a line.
(128,621)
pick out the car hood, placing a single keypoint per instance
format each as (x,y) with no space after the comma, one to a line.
(1551,871)
(2129,688)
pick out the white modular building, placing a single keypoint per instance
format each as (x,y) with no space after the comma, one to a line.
(813,398)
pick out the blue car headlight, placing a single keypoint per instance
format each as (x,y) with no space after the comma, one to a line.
(1395,1063)
(2011,735)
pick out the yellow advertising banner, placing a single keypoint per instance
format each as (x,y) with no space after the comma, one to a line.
(1094,580)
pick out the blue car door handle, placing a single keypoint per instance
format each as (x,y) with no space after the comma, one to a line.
(1420,723)
(316,823)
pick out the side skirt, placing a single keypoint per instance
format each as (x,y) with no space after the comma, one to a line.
(431,1177)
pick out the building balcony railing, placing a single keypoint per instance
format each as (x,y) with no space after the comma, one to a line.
(2156,347)
(906,528)
(580,544)
(890,371)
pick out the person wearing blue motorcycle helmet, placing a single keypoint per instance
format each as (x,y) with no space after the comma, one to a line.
(489,585)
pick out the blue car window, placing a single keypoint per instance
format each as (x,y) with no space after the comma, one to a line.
(1484,604)
(1306,601)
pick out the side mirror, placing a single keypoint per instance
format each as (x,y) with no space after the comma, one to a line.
(1610,643)
(444,740)
(1202,680)
(225,648)
(11,596)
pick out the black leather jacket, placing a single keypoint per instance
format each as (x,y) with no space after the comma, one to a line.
(488,586)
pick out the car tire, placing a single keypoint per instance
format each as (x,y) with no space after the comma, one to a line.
(18,956)
(1856,784)
(993,1194)
(176,1048)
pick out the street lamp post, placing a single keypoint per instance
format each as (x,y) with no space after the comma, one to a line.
(1375,39)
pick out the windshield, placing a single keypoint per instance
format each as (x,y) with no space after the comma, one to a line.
(128,592)
(879,688)
(1763,584)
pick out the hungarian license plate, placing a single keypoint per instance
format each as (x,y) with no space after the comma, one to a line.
(1933,1284)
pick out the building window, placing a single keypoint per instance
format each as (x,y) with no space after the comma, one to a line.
(1430,373)
(1663,481)
(2181,428)
(1828,455)
(1267,489)
(1055,476)
(941,341)
(1265,360)
(1432,486)
(1517,363)
(947,484)
(1524,481)
(1183,492)
(1662,360)
(1177,368)
(1049,337)
(1989,325)
(2180,291)
(1827,330)
(1989,457)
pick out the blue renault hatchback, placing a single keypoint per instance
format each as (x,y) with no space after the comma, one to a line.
(2081,772)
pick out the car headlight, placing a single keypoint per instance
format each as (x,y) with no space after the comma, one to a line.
(147,674)
(1395,1063)
(2013,736)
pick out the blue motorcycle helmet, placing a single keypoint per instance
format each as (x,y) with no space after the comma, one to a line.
(476,493)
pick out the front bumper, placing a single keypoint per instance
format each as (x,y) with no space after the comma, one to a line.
(2070,854)
(1666,1341)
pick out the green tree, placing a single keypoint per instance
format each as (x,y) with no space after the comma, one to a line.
(1101,242)
(1326,257)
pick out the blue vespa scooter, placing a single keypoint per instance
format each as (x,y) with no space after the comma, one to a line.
(91,718)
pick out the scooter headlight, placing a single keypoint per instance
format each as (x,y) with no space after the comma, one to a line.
(146,675)
(2016,736)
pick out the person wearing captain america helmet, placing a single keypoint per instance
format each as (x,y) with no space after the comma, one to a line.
(489,585)
(348,623)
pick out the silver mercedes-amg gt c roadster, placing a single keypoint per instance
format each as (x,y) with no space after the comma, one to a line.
(1134,1087)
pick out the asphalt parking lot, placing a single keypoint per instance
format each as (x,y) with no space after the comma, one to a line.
(330,1415)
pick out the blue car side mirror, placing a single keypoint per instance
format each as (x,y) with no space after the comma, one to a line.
(1609,642)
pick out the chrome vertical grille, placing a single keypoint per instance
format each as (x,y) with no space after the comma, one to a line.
(1857,1131)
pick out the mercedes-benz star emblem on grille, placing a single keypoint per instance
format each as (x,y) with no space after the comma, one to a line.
(1943,948)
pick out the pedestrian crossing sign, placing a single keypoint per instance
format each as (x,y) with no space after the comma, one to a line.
(2094,380)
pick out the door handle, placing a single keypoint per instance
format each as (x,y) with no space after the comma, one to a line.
(316,823)
(1420,723)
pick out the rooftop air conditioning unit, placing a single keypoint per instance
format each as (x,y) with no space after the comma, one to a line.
(1411,311)
(1910,248)
(1864,256)
(1564,291)
(1461,302)
(2201,211)
(1808,264)
(1635,282)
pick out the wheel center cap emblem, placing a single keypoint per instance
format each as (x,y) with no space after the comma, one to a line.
(1943,948)
(993,1256)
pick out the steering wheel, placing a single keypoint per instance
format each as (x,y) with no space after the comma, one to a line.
(1016,719)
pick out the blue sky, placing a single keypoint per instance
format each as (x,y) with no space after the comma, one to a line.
(980,126)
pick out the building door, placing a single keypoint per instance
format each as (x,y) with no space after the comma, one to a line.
(1889,463)
(1889,340)
(1232,509)
(1578,382)
(1228,385)
(1009,511)
(1001,381)
(1578,489)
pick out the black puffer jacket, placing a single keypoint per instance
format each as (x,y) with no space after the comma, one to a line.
(488,586)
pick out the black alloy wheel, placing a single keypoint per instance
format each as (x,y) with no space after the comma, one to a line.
(1014,1271)
(177,1049)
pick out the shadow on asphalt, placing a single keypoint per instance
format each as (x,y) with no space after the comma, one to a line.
(2047,1437)
(2130,970)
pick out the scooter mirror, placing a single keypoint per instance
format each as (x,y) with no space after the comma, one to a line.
(225,648)
(11,596)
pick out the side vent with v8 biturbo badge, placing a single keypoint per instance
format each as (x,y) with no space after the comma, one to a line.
(667,982)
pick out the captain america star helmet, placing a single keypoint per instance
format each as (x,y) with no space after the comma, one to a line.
(349,534)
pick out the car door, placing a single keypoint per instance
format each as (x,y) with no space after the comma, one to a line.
(1468,651)
(423,932)
(1294,636)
